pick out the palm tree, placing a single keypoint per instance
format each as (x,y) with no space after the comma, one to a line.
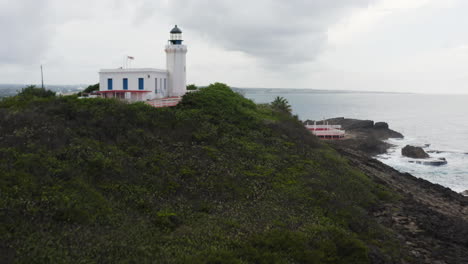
(280,103)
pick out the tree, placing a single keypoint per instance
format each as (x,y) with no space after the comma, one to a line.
(280,103)
(92,88)
(33,91)
(192,87)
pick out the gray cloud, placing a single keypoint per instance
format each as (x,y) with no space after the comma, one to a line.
(25,30)
(276,31)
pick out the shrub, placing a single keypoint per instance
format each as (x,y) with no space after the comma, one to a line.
(216,179)
(33,91)
(192,87)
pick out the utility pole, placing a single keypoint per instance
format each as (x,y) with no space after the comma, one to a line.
(42,78)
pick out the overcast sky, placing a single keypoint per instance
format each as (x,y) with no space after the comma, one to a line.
(378,45)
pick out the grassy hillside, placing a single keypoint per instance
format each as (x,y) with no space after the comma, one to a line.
(217,179)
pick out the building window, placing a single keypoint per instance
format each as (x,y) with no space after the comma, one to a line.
(165,87)
(125,84)
(109,84)
(141,84)
(156,85)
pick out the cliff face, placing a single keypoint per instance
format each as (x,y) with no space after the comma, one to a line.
(216,179)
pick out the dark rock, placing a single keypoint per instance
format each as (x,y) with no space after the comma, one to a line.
(384,134)
(373,146)
(346,123)
(436,162)
(426,145)
(351,124)
(363,135)
(362,124)
(414,152)
(381,125)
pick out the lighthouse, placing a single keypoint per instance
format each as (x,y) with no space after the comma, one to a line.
(176,63)
(157,87)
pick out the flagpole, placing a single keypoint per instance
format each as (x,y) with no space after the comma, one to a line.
(42,78)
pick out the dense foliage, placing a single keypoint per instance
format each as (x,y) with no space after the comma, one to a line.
(33,91)
(89,89)
(217,179)
(281,104)
(192,87)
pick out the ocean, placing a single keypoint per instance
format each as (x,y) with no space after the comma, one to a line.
(441,121)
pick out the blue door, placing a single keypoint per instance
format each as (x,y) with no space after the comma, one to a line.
(125,84)
(156,85)
(141,84)
(109,84)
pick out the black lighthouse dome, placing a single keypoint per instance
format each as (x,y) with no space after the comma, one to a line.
(176,36)
(176,30)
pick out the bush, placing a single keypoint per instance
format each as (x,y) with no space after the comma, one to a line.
(192,87)
(33,91)
(92,88)
(216,179)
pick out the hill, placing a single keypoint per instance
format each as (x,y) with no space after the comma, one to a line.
(217,179)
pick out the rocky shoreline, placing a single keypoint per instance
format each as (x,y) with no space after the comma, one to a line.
(366,136)
(431,220)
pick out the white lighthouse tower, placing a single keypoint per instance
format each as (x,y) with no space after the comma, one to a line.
(157,87)
(175,62)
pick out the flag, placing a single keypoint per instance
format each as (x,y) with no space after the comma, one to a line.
(130,58)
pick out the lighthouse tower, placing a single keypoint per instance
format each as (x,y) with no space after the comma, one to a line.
(175,62)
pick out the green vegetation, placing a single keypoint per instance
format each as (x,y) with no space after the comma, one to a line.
(281,104)
(192,87)
(33,91)
(90,89)
(217,179)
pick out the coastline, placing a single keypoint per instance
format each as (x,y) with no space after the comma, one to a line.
(431,220)
(372,139)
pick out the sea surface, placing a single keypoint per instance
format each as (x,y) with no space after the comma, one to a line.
(441,121)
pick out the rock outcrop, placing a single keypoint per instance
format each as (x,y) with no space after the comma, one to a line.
(363,135)
(381,125)
(433,162)
(414,152)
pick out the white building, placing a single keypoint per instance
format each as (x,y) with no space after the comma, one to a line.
(149,84)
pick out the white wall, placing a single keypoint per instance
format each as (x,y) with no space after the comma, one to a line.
(176,67)
(148,75)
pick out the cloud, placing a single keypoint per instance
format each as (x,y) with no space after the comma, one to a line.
(277,32)
(25,30)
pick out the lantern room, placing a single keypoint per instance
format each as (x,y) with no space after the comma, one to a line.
(176,36)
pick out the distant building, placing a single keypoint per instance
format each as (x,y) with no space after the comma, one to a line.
(157,87)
